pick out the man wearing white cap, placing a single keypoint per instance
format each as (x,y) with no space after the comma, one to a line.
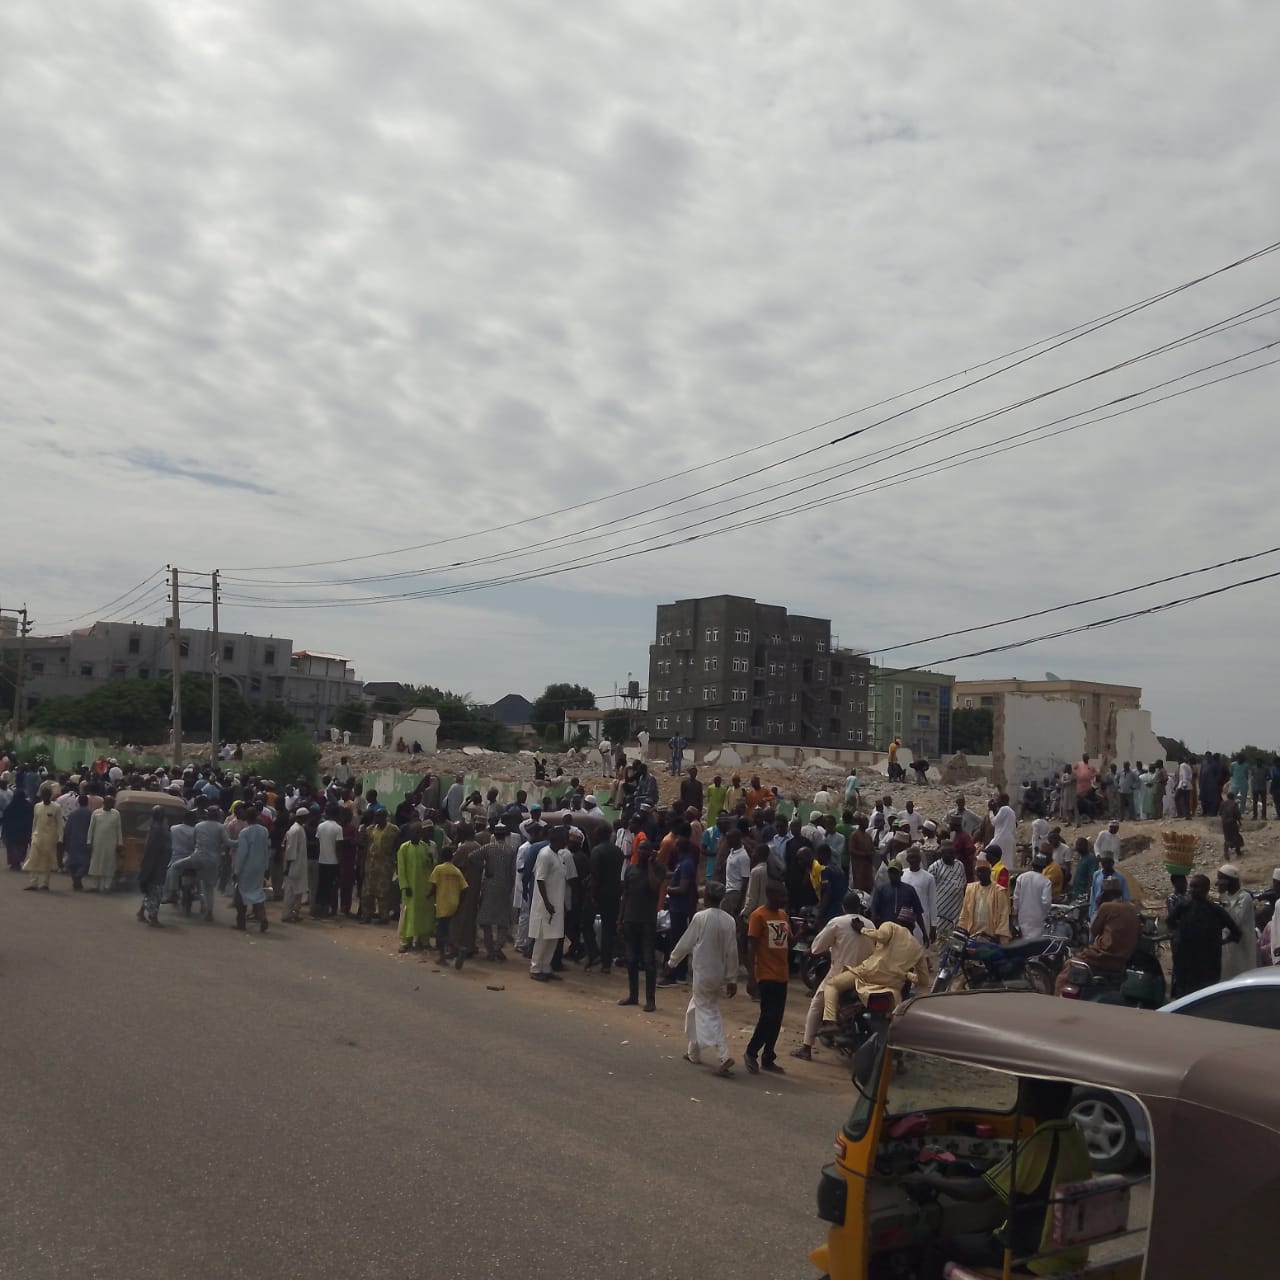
(1241,956)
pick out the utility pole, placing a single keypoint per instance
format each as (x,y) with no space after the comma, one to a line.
(24,626)
(177,678)
(217,674)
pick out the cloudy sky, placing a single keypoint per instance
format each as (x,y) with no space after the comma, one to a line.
(285,283)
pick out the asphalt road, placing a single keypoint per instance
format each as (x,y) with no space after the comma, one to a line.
(194,1101)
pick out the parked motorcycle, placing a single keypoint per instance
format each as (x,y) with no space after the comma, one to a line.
(1140,984)
(189,891)
(973,963)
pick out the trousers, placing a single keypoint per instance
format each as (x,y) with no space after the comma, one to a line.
(813,1019)
(641,938)
(608,934)
(832,989)
(543,950)
(293,896)
(773,1003)
(324,901)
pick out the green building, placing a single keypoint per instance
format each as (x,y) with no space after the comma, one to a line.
(912,705)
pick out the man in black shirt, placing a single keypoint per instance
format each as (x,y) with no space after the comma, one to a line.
(606,887)
(1196,926)
(640,888)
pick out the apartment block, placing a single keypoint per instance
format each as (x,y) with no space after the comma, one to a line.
(914,706)
(728,668)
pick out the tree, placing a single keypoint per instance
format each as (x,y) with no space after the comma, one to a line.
(972,730)
(349,716)
(617,725)
(1175,749)
(556,699)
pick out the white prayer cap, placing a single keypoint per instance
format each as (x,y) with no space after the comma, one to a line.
(1230,870)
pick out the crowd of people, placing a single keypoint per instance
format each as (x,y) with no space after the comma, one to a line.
(1217,787)
(706,892)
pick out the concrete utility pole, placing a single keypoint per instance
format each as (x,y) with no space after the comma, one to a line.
(177,678)
(18,702)
(217,674)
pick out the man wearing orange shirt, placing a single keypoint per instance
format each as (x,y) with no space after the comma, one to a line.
(768,950)
(758,797)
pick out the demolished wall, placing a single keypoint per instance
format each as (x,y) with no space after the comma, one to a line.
(1134,739)
(1034,737)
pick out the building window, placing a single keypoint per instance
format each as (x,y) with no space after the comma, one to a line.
(796,637)
(269,656)
(1083,703)
(713,724)
(822,646)
(986,702)
(862,679)
(741,664)
(37,667)
(822,673)
(86,668)
(712,634)
(922,722)
(795,697)
(660,722)
(897,695)
(228,653)
(135,644)
(184,648)
(968,705)
(791,726)
(739,695)
(255,684)
(924,695)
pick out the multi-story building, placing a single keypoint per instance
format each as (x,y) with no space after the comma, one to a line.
(263,668)
(1098,703)
(727,668)
(914,706)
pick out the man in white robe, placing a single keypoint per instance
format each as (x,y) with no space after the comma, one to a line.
(844,940)
(106,844)
(546,913)
(926,890)
(1032,897)
(712,940)
(1238,957)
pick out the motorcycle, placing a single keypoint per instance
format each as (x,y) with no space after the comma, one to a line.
(974,963)
(856,1022)
(1140,984)
(189,891)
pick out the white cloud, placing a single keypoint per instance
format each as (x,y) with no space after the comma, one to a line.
(281,285)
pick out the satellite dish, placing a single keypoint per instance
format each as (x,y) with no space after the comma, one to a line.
(1048,675)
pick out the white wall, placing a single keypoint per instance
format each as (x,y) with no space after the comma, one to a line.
(418,726)
(1134,739)
(1040,736)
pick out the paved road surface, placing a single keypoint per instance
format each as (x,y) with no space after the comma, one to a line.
(192,1101)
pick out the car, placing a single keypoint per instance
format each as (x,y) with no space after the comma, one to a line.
(1115,1126)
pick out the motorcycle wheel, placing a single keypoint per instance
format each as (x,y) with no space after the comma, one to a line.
(813,969)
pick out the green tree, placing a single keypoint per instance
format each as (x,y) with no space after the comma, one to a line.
(972,730)
(1175,749)
(295,756)
(617,725)
(350,716)
(556,699)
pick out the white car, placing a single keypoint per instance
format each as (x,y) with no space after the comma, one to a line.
(1114,1125)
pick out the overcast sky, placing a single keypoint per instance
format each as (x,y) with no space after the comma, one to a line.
(285,282)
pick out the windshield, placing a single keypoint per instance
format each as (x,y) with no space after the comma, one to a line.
(924,1083)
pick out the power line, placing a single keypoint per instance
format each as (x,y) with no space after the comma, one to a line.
(933,467)
(1050,344)
(60,622)
(1099,623)
(836,471)
(1072,604)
